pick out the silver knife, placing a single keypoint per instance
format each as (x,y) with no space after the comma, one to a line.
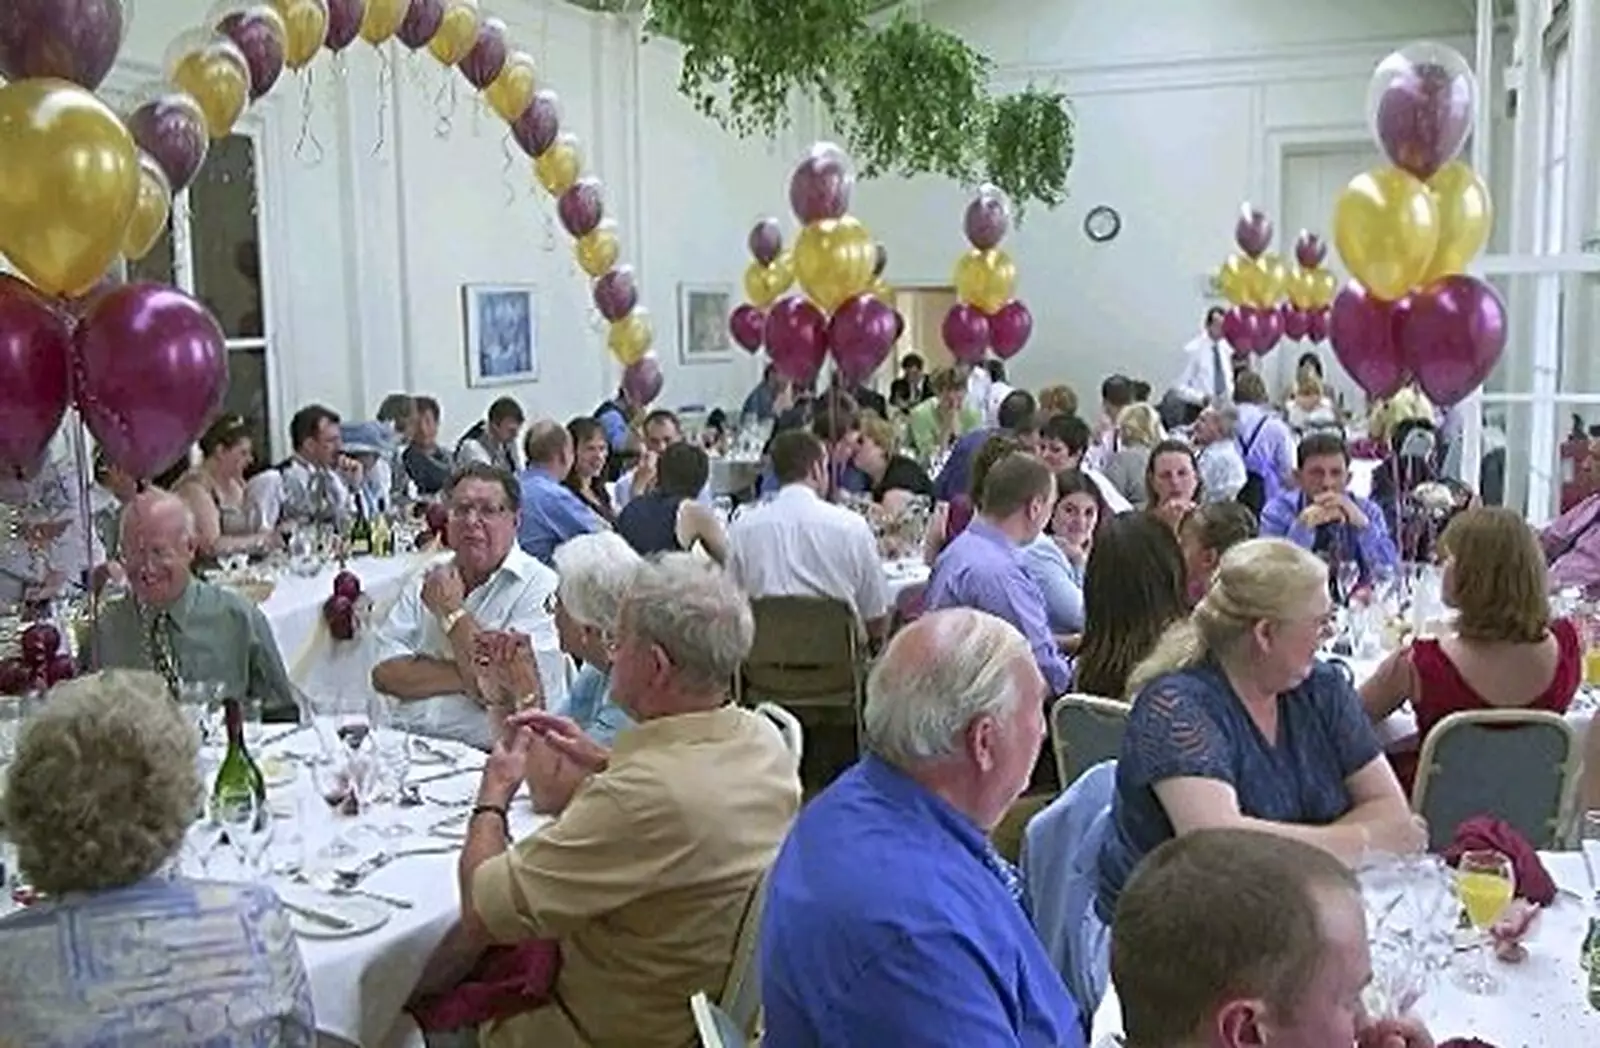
(436,776)
(327,920)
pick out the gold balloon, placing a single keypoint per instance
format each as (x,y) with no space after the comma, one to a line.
(1324,285)
(833,260)
(69,180)
(558,167)
(307,25)
(1237,279)
(763,284)
(598,249)
(1301,288)
(985,279)
(458,31)
(1386,227)
(218,77)
(629,338)
(512,91)
(150,211)
(1272,277)
(1466,214)
(383,19)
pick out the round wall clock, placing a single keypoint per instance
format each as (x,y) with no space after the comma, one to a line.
(1102,223)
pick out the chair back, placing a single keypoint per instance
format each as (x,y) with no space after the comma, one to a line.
(1085,730)
(806,653)
(712,1023)
(741,994)
(788,725)
(1516,765)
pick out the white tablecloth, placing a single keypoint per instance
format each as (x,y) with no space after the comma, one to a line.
(729,475)
(295,607)
(1542,1001)
(903,574)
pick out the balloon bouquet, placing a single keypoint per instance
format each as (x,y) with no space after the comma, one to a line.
(1310,290)
(844,311)
(986,316)
(1253,280)
(770,275)
(1407,231)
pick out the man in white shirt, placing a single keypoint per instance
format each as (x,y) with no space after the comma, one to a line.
(319,478)
(661,430)
(797,545)
(978,382)
(1221,465)
(427,647)
(999,389)
(1207,376)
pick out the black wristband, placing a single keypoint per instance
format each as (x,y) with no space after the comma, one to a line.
(493,809)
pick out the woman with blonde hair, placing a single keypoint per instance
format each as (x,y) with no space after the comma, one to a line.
(1138,431)
(1057,400)
(1505,653)
(1236,724)
(1309,406)
(101,794)
(896,478)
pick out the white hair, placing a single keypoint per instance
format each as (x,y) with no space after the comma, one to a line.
(153,503)
(596,571)
(697,614)
(938,676)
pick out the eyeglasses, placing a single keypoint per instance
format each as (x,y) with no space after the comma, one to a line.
(466,511)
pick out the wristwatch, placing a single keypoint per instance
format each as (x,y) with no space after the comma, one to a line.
(448,623)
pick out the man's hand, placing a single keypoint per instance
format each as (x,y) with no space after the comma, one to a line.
(350,470)
(1352,513)
(507,668)
(110,574)
(564,736)
(507,763)
(442,590)
(1318,513)
(644,474)
(1393,1033)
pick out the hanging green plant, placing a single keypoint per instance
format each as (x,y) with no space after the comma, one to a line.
(916,102)
(1028,150)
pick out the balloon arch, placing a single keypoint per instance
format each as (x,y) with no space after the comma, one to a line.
(145,364)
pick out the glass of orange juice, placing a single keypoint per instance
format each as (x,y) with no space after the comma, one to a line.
(1486,883)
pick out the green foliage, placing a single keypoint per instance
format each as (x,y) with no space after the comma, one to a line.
(1029,147)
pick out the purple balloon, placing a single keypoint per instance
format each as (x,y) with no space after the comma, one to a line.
(423,19)
(1309,250)
(747,325)
(766,241)
(880,259)
(172,129)
(1452,336)
(35,348)
(642,380)
(966,333)
(1362,329)
(797,338)
(616,293)
(1010,329)
(262,48)
(1296,321)
(1267,328)
(581,207)
(1317,325)
(1238,331)
(1423,117)
(344,23)
(819,189)
(1253,231)
(74,40)
(488,56)
(151,370)
(536,129)
(986,222)
(860,336)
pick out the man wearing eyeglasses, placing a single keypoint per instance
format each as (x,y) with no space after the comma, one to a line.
(428,644)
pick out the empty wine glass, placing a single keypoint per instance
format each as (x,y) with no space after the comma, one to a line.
(248,827)
(1348,578)
(334,783)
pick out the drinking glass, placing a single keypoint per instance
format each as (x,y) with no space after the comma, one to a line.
(333,780)
(1349,577)
(249,829)
(1486,883)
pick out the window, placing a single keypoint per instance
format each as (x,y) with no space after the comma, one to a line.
(212,250)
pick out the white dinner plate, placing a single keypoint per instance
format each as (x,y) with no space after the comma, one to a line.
(365,915)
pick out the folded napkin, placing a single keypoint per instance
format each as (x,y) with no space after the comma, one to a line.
(506,980)
(1486,833)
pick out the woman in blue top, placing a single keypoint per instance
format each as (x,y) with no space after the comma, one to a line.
(1236,724)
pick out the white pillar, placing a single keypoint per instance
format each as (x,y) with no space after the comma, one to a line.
(1471,409)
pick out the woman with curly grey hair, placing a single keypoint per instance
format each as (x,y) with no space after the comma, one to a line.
(100,795)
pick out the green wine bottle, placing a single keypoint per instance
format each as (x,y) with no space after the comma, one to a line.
(360,531)
(238,778)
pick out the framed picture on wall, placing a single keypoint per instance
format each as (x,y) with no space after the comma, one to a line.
(502,329)
(703,323)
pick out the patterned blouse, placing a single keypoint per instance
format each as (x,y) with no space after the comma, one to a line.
(170,962)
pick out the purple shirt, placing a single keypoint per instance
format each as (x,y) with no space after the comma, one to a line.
(1572,545)
(1374,548)
(983,570)
(1272,442)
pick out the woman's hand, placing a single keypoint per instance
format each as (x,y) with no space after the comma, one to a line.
(1393,1033)
(1399,833)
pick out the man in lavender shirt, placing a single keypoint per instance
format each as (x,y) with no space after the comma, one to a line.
(983,568)
(1325,518)
(1264,439)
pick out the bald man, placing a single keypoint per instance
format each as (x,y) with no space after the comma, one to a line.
(182,627)
(552,513)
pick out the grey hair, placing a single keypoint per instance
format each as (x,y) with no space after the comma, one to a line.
(697,614)
(938,676)
(596,571)
(150,504)
(103,787)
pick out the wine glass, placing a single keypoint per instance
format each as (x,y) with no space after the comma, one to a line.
(1349,577)
(1486,883)
(248,825)
(334,783)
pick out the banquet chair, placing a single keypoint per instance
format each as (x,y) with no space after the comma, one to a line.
(712,1023)
(788,725)
(1085,730)
(740,999)
(1517,765)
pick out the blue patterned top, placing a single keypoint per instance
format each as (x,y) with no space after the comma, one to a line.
(588,702)
(163,962)
(1191,725)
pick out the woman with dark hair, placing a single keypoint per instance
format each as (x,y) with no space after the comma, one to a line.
(951,518)
(1171,481)
(214,492)
(587,477)
(1133,589)
(669,517)
(1056,558)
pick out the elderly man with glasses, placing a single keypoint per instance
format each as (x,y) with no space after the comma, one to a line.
(428,646)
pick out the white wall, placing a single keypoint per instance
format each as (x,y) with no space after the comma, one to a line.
(367,245)
(1183,112)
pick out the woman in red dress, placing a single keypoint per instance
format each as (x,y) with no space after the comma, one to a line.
(1506,652)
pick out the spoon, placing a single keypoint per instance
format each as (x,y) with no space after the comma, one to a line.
(330,884)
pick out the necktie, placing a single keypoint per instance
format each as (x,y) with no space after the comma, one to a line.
(1219,378)
(163,656)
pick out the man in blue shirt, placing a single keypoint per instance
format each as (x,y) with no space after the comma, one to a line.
(890,919)
(1018,417)
(1323,517)
(551,512)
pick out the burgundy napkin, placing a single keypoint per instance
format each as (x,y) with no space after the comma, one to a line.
(507,980)
(1484,832)
(1465,1042)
